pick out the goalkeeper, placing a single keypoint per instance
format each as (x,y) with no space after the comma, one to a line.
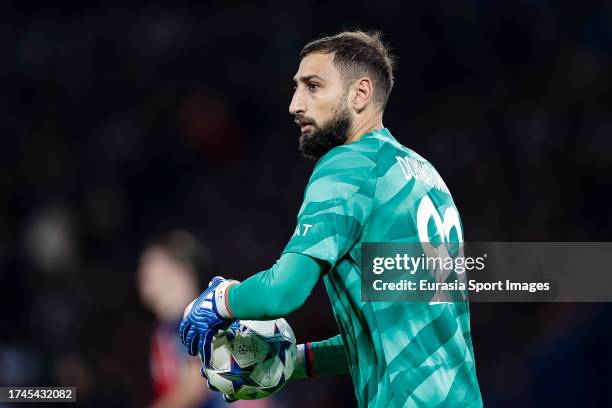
(366,187)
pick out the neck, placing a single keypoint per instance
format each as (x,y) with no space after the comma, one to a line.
(364,127)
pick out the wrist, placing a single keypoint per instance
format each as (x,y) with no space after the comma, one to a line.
(309,360)
(304,363)
(221,299)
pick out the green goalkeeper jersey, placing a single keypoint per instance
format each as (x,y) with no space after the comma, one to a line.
(399,353)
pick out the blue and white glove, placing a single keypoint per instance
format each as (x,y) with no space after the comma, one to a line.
(204,317)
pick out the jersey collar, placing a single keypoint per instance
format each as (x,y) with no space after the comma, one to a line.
(383,132)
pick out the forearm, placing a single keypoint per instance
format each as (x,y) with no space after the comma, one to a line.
(321,358)
(277,291)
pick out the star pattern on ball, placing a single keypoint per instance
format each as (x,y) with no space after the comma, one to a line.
(263,348)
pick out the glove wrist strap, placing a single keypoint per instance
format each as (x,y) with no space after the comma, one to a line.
(221,300)
(304,367)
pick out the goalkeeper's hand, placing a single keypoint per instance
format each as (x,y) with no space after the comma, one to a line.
(204,317)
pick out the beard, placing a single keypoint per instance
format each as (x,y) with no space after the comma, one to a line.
(323,138)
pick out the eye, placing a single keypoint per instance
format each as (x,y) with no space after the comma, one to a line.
(313,87)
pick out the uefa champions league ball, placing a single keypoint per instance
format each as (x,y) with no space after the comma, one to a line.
(252,359)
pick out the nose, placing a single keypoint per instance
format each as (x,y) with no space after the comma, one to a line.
(297,105)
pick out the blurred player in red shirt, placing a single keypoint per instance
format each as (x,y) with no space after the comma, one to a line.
(167,281)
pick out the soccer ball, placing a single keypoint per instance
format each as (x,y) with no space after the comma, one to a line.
(252,359)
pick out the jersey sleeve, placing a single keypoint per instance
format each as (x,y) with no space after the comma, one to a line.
(337,203)
(321,358)
(327,357)
(277,291)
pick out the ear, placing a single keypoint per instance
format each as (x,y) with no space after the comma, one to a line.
(363,94)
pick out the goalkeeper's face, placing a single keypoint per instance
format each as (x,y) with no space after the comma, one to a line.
(320,106)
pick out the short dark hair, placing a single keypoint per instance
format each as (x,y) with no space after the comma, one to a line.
(357,53)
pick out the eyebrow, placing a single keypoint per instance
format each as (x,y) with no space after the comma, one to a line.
(306,78)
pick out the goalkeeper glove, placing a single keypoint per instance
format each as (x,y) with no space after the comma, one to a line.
(204,317)
(304,364)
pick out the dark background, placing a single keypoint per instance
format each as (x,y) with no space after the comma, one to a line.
(119,122)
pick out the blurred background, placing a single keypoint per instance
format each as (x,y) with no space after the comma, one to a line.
(120,123)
